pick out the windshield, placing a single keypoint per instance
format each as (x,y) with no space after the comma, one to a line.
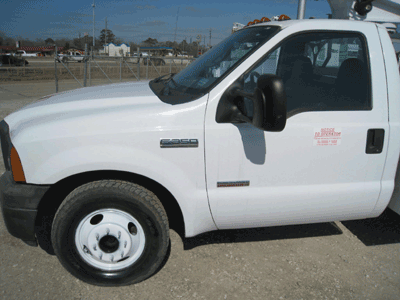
(196,79)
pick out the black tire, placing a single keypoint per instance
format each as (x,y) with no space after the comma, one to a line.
(111,195)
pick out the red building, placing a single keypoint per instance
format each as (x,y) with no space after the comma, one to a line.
(42,51)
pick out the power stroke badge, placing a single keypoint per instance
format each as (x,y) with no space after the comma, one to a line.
(179,143)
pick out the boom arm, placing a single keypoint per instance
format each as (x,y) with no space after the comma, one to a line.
(383,11)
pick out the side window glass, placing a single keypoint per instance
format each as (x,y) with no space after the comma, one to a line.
(321,72)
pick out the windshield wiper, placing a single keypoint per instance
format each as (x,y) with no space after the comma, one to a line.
(162,77)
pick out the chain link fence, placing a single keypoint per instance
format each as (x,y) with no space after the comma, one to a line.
(88,68)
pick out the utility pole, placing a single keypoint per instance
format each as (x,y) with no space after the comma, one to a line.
(105,36)
(210,37)
(93,5)
(301,9)
(176,24)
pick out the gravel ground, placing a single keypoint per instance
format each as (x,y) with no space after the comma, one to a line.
(341,260)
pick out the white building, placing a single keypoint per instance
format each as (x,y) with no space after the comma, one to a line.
(116,50)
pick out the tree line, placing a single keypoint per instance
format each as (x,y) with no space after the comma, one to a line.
(106,36)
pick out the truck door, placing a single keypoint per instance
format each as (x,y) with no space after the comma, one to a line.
(327,163)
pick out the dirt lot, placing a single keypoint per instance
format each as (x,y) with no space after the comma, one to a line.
(342,260)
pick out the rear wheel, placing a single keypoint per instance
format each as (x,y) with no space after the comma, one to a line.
(111,233)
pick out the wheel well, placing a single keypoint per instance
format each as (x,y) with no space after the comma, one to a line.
(59,191)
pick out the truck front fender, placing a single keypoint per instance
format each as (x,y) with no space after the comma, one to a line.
(187,184)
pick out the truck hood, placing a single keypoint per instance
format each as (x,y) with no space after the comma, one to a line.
(98,94)
(75,104)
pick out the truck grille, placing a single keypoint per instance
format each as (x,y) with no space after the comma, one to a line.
(5,142)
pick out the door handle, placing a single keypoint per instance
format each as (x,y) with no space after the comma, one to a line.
(375,138)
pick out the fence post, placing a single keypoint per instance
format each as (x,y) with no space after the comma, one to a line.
(85,69)
(138,64)
(55,69)
(120,68)
(147,67)
(90,72)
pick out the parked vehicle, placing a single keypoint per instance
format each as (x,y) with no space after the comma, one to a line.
(9,60)
(24,53)
(156,61)
(70,56)
(285,122)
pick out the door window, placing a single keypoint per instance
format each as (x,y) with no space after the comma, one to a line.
(320,71)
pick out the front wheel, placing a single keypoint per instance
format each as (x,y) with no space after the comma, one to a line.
(111,233)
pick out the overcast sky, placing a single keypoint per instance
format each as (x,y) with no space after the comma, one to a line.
(138,20)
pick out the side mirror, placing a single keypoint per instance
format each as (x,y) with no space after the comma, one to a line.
(269,104)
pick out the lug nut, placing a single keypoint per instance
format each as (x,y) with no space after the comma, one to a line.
(125,243)
(108,231)
(119,234)
(97,237)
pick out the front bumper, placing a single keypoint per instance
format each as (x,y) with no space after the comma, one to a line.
(19,203)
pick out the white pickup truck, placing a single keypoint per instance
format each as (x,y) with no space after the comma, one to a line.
(281,123)
(70,56)
(23,53)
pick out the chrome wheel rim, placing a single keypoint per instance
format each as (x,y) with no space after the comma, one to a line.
(110,239)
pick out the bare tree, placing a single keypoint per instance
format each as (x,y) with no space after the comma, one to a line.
(110,36)
(49,41)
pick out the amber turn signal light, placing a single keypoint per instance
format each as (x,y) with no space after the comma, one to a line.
(283,17)
(16,167)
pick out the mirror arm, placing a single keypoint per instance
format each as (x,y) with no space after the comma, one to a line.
(245,94)
(227,110)
(236,91)
(242,118)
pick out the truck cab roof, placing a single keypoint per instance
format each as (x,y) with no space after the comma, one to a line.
(317,23)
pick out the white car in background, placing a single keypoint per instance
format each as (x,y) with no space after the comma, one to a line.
(70,56)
